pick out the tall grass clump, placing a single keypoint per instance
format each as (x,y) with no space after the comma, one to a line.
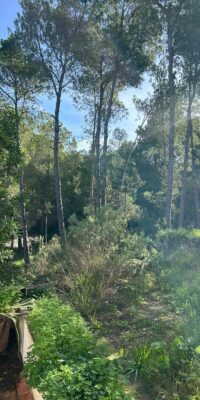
(101,257)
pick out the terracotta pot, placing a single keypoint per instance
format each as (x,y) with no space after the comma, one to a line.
(5,324)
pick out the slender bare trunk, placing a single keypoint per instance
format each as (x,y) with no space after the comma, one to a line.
(93,158)
(46,229)
(19,243)
(195,184)
(24,220)
(185,168)
(105,143)
(12,244)
(163,135)
(22,204)
(97,144)
(170,177)
(58,188)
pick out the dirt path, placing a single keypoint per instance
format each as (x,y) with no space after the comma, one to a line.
(153,319)
(140,392)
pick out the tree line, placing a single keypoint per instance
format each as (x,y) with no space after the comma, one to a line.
(93,50)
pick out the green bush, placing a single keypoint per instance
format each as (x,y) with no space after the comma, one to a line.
(148,360)
(100,260)
(64,362)
(9,296)
(176,238)
(173,368)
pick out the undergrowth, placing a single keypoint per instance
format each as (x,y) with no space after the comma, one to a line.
(65,362)
(144,295)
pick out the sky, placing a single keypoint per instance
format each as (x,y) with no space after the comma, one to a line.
(70,116)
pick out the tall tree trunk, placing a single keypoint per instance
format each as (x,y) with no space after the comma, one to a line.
(19,243)
(186,156)
(24,220)
(163,134)
(195,184)
(58,188)
(170,178)
(93,157)
(22,205)
(105,143)
(12,244)
(97,144)
(46,229)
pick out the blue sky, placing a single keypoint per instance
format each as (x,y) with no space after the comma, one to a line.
(71,118)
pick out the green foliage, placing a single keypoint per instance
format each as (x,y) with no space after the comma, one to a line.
(148,360)
(178,238)
(172,368)
(99,262)
(9,162)
(8,297)
(37,149)
(105,264)
(178,273)
(64,361)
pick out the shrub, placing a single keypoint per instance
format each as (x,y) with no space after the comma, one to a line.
(173,367)
(101,258)
(47,264)
(64,362)
(178,238)
(9,296)
(148,360)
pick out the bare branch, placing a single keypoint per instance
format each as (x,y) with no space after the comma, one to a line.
(7,94)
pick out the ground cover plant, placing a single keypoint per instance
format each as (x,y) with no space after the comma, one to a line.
(64,361)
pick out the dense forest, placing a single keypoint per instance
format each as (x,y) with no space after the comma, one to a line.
(103,242)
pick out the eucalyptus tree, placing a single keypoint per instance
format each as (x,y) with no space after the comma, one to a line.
(53,33)
(19,82)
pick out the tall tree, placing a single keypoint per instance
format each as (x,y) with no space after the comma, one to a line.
(53,34)
(18,84)
(9,163)
(169,15)
(121,56)
(121,22)
(189,51)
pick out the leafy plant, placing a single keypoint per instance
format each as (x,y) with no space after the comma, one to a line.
(148,359)
(64,361)
(98,263)
(9,296)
